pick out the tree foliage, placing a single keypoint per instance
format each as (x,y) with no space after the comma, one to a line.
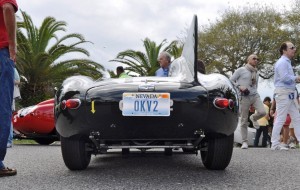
(292,20)
(43,58)
(226,44)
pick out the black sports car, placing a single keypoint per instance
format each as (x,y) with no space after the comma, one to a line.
(188,110)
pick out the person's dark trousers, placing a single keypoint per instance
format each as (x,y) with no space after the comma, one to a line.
(264,130)
(6,97)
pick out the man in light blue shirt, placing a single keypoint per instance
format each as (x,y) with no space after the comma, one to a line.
(284,76)
(164,60)
(285,94)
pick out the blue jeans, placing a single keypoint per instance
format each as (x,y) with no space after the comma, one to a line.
(6,97)
(11,135)
(264,130)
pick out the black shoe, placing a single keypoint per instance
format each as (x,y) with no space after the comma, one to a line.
(7,172)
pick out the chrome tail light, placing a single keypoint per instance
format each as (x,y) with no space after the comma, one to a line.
(222,103)
(70,104)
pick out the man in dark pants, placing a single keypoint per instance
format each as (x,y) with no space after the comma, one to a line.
(8,49)
(263,124)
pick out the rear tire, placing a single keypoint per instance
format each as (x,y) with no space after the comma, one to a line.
(74,153)
(218,152)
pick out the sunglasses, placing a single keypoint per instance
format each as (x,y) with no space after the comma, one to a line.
(293,47)
(254,58)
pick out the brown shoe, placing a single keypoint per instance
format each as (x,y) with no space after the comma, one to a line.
(7,172)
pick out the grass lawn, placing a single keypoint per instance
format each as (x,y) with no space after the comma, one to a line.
(24,141)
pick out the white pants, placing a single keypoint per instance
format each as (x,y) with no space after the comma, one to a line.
(284,106)
(245,103)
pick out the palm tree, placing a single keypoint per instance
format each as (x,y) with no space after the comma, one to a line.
(175,49)
(145,64)
(41,57)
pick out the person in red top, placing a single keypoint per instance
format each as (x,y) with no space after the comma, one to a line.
(8,49)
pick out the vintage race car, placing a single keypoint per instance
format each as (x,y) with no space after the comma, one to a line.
(36,122)
(187,110)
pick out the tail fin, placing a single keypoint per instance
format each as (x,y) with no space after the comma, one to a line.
(185,67)
(190,48)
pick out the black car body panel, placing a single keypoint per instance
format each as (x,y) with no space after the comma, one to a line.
(192,109)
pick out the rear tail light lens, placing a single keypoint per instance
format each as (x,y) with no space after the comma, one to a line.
(70,104)
(221,103)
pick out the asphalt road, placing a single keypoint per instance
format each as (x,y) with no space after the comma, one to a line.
(42,167)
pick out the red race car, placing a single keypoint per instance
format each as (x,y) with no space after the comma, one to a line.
(36,122)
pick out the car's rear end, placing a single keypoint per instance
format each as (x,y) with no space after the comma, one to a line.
(123,111)
(135,109)
(132,111)
(143,113)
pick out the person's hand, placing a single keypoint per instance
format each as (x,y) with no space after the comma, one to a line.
(272,113)
(12,52)
(242,88)
(298,79)
(252,108)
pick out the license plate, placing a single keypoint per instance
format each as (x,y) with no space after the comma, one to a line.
(146,104)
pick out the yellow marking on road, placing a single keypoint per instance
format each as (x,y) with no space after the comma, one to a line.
(93,107)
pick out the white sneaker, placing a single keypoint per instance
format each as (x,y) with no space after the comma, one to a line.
(285,145)
(244,145)
(291,140)
(279,147)
(292,146)
(255,123)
